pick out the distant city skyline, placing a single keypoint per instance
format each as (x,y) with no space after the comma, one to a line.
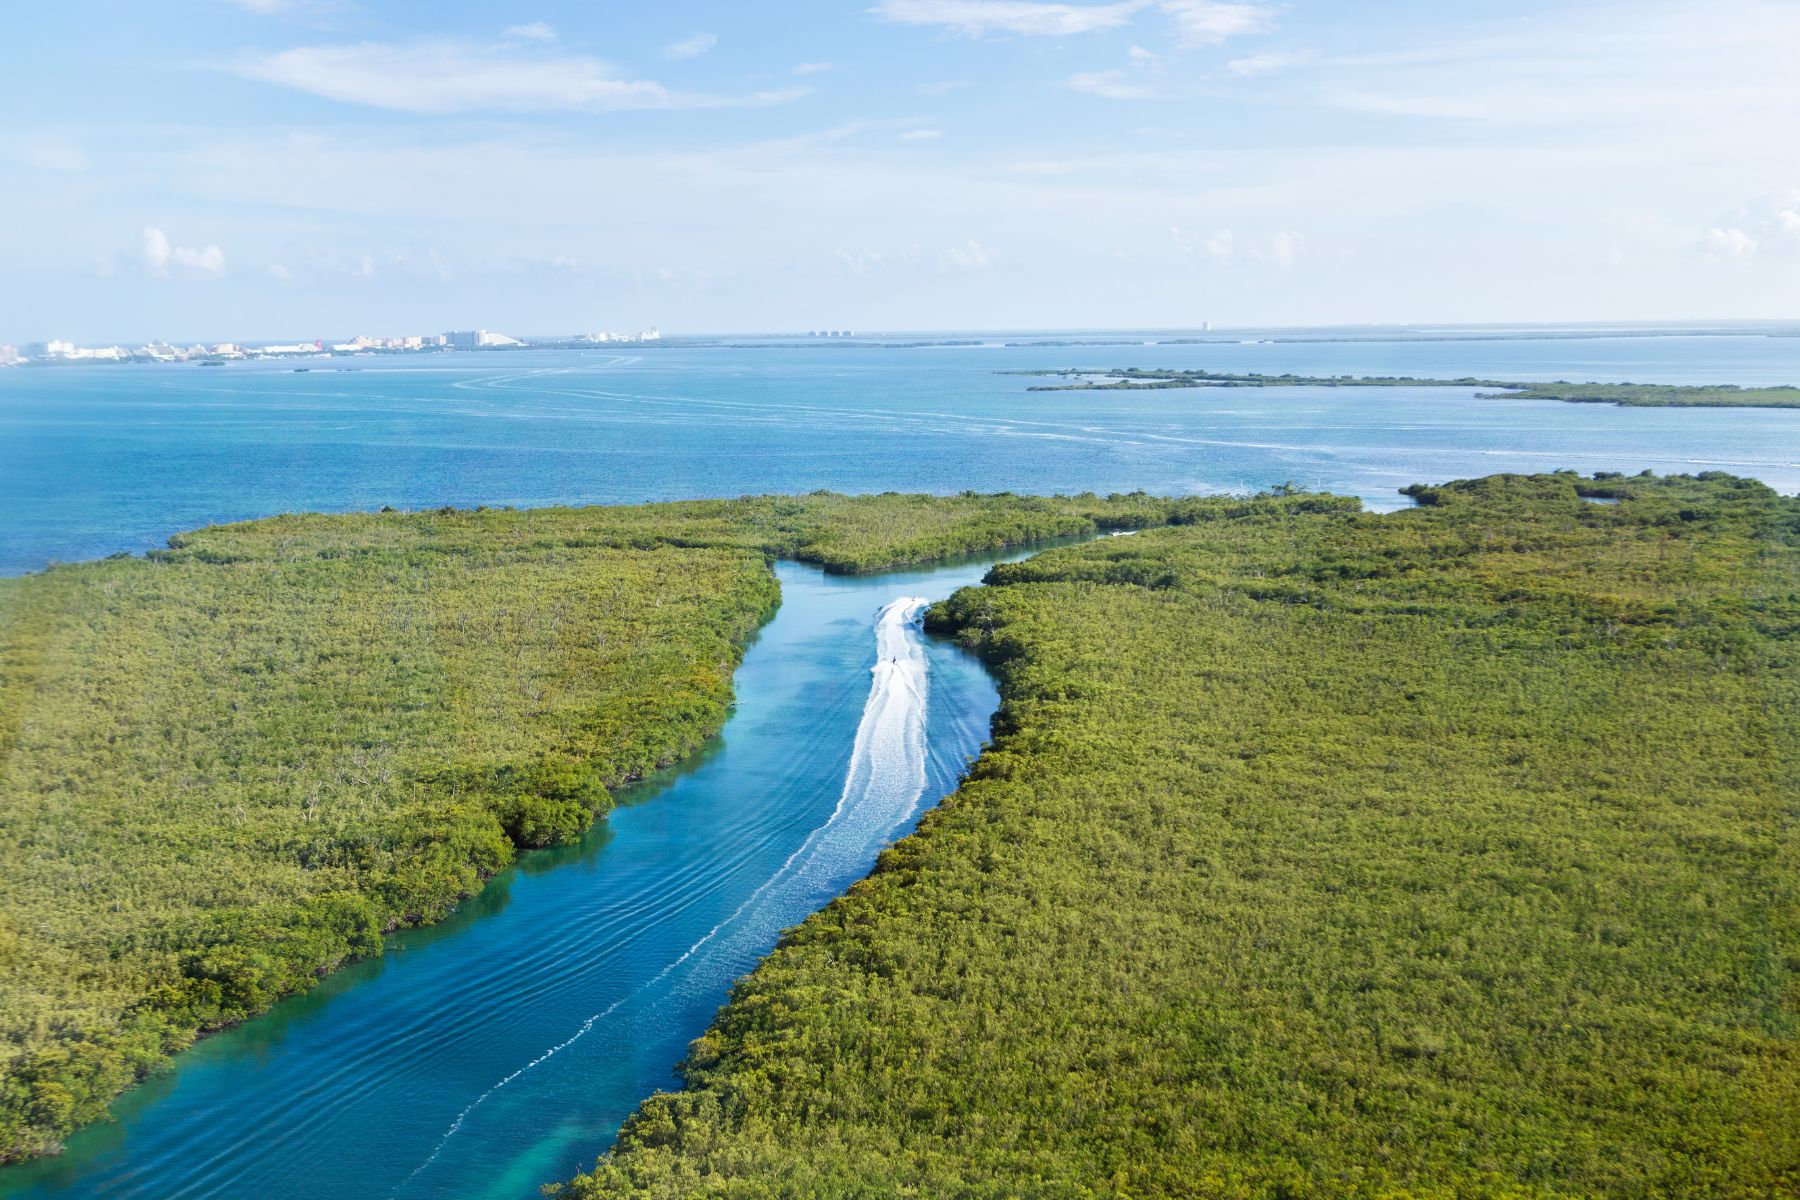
(255,168)
(212,351)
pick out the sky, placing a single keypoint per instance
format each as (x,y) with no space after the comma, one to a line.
(276,169)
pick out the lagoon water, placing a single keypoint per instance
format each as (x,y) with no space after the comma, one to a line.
(501,1049)
(96,460)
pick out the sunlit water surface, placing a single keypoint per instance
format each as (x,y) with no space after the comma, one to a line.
(100,459)
(501,1049)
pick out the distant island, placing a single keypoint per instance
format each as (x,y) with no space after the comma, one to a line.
(1625,395)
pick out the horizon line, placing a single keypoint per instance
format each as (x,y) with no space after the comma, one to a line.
(1667,324)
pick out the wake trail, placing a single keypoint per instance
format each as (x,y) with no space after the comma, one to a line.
(882,788)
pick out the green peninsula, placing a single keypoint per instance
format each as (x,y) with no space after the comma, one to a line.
(1625,395)
(1438,854)
(1444,854)
(235,765)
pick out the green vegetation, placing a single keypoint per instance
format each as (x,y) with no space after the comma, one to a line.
(1660,395)
(1625,395)
(1444,854)
(230,768)
(849,534)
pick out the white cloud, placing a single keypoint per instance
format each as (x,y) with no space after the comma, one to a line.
(1283,249)
(1719,73)
(537,31)
(1766,226)
(861,263)
(156,249)
(921,135)
(207,261)
(1197,22)
(976,18)
(692,47)
(941,87)
(160,255)
(280,272)
(810,68)
(1263,64)
(443,76)
(970,256)
(1727,243)
(264,7)
(1280,249)
(1601,131)
(1114,85)
(1209,22)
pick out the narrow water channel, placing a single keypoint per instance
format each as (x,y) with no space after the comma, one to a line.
(500,1050)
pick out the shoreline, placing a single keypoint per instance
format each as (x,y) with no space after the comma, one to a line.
(548,803)
(1621,395)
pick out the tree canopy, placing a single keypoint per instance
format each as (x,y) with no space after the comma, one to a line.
(1318,854)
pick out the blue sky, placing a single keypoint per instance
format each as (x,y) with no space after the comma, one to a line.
(283,168)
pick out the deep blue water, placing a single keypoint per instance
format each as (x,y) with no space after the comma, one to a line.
(617,952)
(100,459)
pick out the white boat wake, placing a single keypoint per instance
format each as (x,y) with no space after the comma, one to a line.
(886,777)
(883,786)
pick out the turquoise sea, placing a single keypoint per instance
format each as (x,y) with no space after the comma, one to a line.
(501,1049)
(100,459)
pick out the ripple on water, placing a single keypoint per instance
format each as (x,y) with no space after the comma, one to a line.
(501,1049)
